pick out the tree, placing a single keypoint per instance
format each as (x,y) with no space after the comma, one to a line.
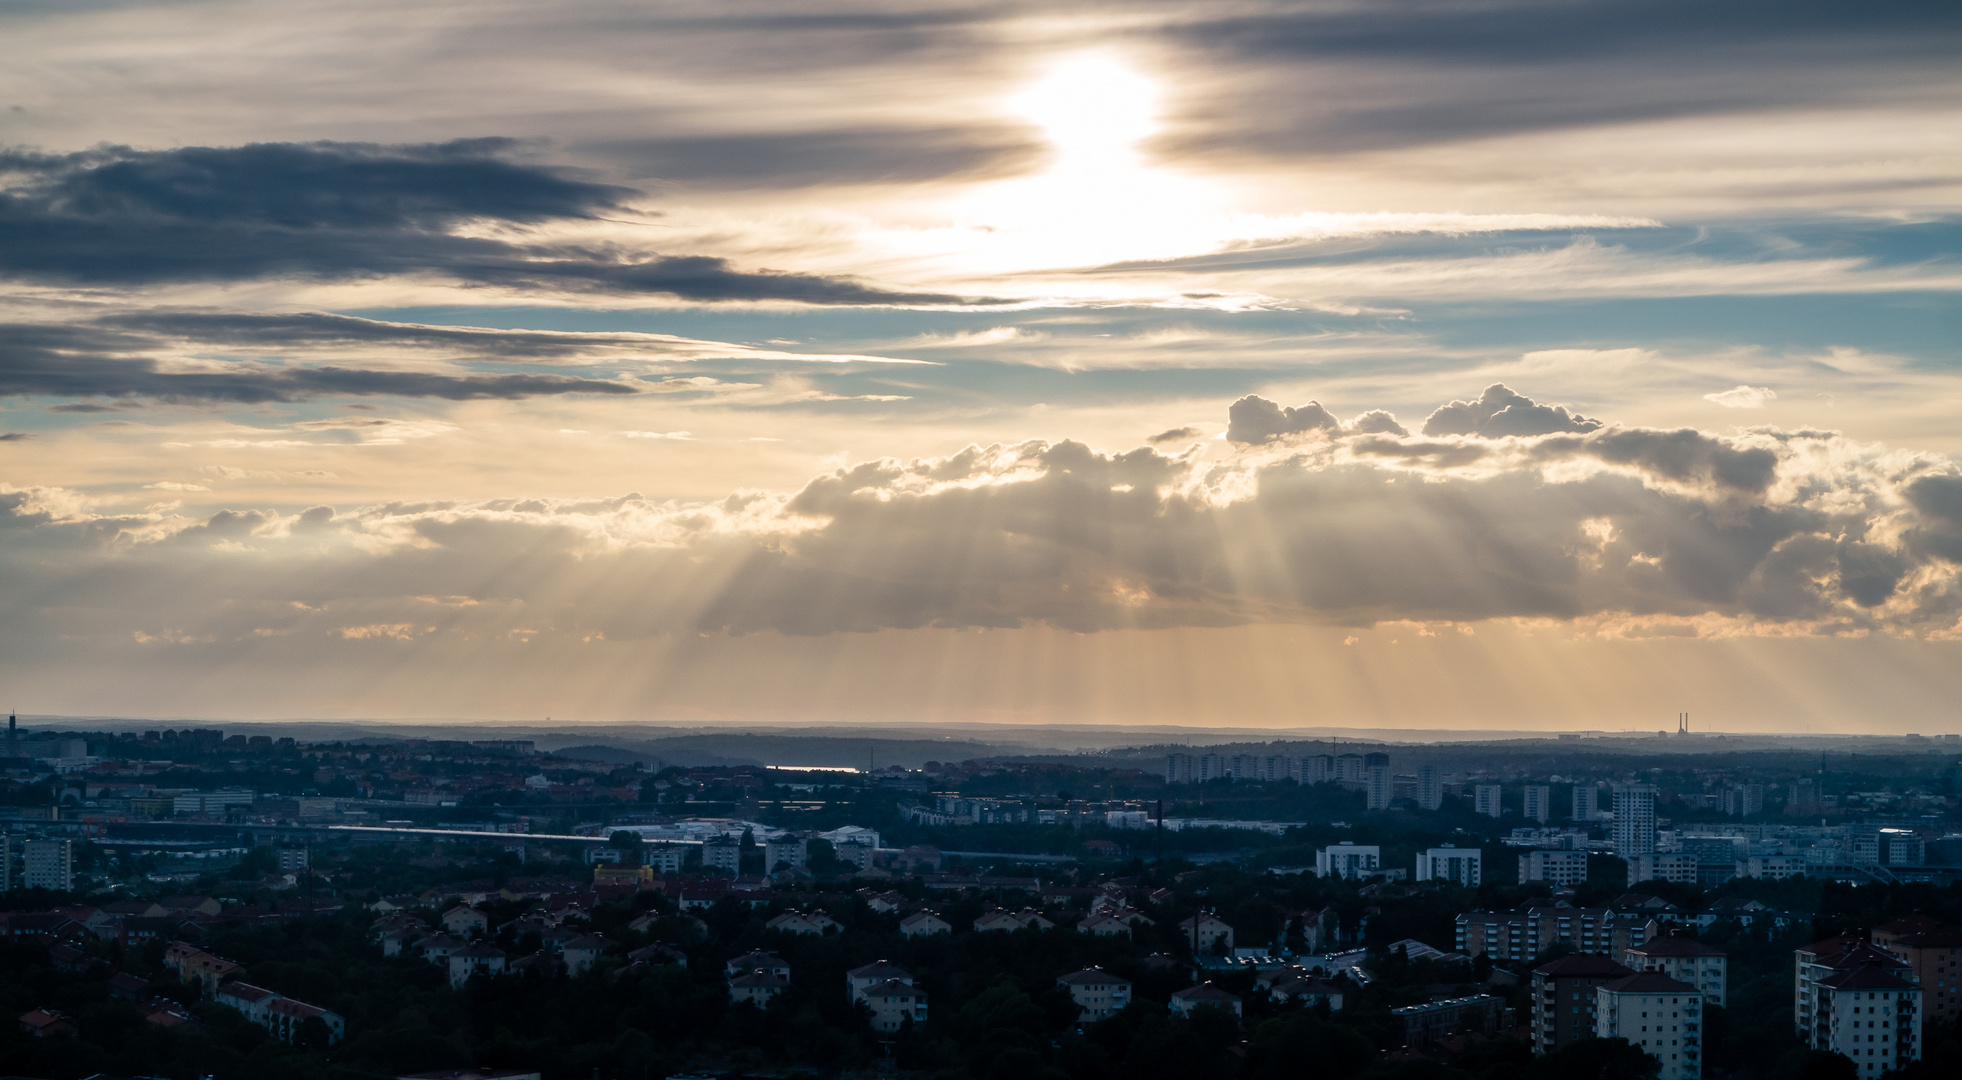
(1596,1059)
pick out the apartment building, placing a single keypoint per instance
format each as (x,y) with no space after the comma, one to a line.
(1460,866)
(1686,960)
(1855,998)
(1523,935)
(1659,1015)
(1557,868)
(1564,1000)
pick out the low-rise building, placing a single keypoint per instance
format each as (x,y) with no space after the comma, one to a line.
(476,958)
(1659,1015)
(1097,993)
(1203,996)
(281,1015)
(895,1004)
(1206,934)
(766,962)
(757,987)
(1010,921)
(1564,1001)
(811,924)
(1423,1025)
(924,923)
(465,921)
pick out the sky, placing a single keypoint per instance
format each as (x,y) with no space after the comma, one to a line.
(1505,364)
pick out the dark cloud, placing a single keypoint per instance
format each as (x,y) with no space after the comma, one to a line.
(1499,412)
(345,211)
(1416,73)
(84,361)
(1937,501)
(1177,434)
(14,436)
(323,329)
(1684,455)
(1255,419)
(806,158)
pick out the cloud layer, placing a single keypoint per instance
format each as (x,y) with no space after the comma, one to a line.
(328,211)
(1631,530)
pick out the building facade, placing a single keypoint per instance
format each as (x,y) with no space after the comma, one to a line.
(1536,803)
(1659,1015)
(48,863)
(1460,866)
(1557,868)
(1564,1001)
(1686,960)
(1348,860)
(1523,935)
(1488,799)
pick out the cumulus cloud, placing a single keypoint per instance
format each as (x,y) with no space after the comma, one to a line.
(1254,419)
(117,216)
(1743,397)
(1685,529)
(1177,434)
(1499,412)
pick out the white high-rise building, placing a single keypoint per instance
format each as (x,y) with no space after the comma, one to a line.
(1587,802)
(1634,831)
(1537,803)
(1348,860)
(1430,787)
(48,864)
(1317,769)
(1486,800)
(1377,781)
(1349,768)
(6,862)
(1460,866)
(1181,768)
(1661,1016)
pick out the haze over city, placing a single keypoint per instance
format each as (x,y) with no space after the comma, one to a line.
(1521,366)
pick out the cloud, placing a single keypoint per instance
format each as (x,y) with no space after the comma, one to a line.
(837,156)
(83,361)
(327,211)
(1499,412)
(1177,434)
(1743,397)
(1689,530)
(14,436)
(1254,419)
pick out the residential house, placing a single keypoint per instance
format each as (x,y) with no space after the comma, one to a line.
(1010,921)
(582,952)
(476,958)
(757,987)
(1306,989)
(1102,925)
(894,1003)
(194,965)
(924,923)
(46,1024)
(275,1012)
(859,979)
(1207,934)
(792,921)
(1205,995)
(1098,994)
(768,963)
(465,921)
